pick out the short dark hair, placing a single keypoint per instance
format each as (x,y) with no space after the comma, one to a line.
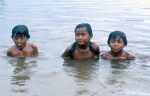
(88,27)
(20,30)
(116,34)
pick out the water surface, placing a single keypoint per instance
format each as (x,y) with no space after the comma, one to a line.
(51,24)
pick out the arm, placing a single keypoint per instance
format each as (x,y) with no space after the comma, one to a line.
(131,56)
(104,56)
(96,49)
(65,54)
(9,52)
(35,50)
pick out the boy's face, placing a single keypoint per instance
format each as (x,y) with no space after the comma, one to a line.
(82,36)
(116,44)
(20,41)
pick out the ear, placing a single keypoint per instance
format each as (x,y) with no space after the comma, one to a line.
(91,36)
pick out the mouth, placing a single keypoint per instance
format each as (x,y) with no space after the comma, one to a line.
(115,49)
(19,46)
(79,41)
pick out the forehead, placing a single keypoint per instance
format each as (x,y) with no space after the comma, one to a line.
(18,35)
(82,29)
(116,38)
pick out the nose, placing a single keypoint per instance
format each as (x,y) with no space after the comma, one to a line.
(80,37)
(116,43)
(19,40)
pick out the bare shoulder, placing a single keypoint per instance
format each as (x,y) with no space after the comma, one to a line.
(105,55)
(34,47)
(65,53)
(130,56)
(31,45)
(96,48)
(10,51)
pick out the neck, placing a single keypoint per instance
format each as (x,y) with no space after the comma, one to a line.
(83,47)
(116,54)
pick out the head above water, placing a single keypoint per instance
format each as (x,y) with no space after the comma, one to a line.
(115,34)
(20,30)
(88,28)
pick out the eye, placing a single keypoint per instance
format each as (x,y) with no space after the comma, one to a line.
(120,41)
(15,38)
(22,37)
(112,41)
(83,34)
(77,35)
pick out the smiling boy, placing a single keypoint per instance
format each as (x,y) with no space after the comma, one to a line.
(82,48)
(117,41)
(20,36)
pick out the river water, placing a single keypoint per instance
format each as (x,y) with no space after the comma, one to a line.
(51,24)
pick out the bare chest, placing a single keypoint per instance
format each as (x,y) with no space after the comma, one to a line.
(81,54)
(26,52)
(121,57)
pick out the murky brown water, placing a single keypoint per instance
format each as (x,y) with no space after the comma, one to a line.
(51,24)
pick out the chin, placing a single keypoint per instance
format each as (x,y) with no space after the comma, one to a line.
(116,51)
(81,43)
(20,48)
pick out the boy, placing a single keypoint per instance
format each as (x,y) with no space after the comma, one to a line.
(82,48)
(117,41)
(20,36)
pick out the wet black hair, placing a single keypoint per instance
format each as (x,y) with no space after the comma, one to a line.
(116,34)
(20,30)
(88,27)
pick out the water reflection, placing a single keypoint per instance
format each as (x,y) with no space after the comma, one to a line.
(22,73)
(118,76)
(120,64)
(52,24)
(83,72)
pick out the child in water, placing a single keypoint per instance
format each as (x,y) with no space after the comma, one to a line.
(117,41)
(20,36)
(82,48)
